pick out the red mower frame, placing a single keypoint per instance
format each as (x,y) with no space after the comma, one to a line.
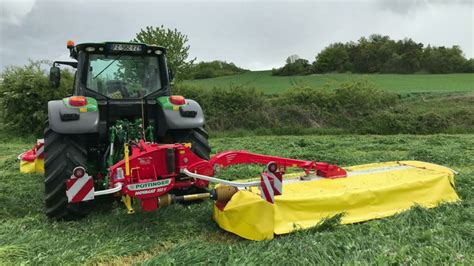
(153,170)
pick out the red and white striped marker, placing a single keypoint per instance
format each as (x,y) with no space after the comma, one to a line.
(266,187)
(80,187)
(271,183)
(277,182)
(39,149)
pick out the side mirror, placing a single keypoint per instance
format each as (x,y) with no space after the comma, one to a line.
(170,74)
(54,76)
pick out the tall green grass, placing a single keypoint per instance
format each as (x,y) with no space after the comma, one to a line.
(186,234)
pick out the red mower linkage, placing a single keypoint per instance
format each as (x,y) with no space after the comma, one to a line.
(152,171)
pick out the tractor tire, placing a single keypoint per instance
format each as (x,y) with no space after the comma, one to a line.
(198,138)
(62,153)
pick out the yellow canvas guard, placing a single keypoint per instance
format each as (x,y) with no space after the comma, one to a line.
(36,166)
(370,191)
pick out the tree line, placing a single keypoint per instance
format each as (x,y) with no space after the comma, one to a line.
(380,54)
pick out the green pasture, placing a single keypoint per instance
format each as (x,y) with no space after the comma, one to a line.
(400,83)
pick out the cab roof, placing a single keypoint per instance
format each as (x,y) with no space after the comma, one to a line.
(109,47)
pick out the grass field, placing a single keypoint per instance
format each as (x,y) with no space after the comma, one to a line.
(186,234)
(391,82)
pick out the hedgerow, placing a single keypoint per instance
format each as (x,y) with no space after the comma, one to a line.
(354,107)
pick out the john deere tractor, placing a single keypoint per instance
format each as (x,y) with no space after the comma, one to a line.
(121,94)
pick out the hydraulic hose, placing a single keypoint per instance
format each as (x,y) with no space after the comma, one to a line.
(117,188)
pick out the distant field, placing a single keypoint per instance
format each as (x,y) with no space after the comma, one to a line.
(390,82)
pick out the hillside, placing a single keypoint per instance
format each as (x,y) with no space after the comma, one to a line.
(401,83)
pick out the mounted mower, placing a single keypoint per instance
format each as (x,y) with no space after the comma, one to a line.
(122,133)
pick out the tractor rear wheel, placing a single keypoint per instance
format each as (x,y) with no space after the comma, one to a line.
(62,153)
(198,138)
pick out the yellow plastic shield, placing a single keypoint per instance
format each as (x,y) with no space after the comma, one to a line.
(36,166)
(370,191)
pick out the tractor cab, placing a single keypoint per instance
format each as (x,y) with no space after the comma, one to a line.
(126,80)
(117,70)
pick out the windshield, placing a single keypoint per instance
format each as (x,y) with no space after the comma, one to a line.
(123,76)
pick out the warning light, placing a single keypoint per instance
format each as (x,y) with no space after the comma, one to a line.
(78,101)
(70,44)
(177,100)
(79,172)
(272,167)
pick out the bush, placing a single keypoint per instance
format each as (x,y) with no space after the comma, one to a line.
(229,109)
(386,122)
(431,122)
(24,95)
(294,66)
(348,107)
(360,98)
(355,107)
(214,69)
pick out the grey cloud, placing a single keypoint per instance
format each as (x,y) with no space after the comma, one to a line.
(402,6)
(409,6)
(256,35)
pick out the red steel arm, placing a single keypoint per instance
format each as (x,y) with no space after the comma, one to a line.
(228,158)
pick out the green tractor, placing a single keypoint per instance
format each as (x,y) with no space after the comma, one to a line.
(121,93)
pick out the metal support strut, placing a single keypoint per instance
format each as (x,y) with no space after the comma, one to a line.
(221,181)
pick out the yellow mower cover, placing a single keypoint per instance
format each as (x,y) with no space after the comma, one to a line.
(32,161)
(370,191)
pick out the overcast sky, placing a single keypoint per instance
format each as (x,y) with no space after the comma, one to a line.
(252,34)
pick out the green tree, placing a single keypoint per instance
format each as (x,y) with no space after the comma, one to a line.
(176,44)
(405,57)
(294,66)
(214,68)
(334,58)
(469,66)
(380,54)
(369,55)
(443,60)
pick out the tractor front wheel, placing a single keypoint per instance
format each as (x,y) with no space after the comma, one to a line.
(62,153)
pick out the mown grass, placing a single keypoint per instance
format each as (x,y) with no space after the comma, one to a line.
(404,84)
(186,234)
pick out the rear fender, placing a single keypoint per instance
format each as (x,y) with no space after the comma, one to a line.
(186,116)
(66,119)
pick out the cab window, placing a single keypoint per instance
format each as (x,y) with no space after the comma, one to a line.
(123,76)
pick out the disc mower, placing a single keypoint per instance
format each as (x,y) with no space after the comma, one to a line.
(123,134)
